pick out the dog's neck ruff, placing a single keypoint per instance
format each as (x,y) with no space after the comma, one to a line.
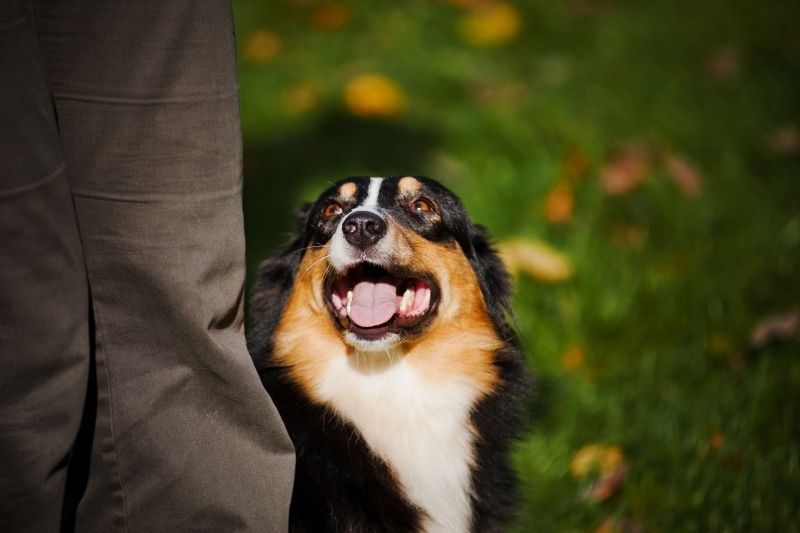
(419,427)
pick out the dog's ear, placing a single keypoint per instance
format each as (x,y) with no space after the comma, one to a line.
(275,280)
(493,278)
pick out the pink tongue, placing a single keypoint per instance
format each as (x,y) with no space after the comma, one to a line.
(373,303)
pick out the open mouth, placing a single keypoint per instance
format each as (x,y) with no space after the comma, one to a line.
(371,301)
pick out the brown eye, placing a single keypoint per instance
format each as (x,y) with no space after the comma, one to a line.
(421,205)
(331,210)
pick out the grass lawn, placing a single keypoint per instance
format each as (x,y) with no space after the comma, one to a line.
(655,146)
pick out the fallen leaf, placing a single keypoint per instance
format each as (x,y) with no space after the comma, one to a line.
(626,170)
(723,65)
(262,45)
(575,164)
(607,485)
(490,24)
(619,525)
(559,204)
(573,358)
(683,175)
(629,236)
(300,98)
(784,141)
(775,328)
(716,440)
(606,461)
(330,16)
(536,259)
(373,95)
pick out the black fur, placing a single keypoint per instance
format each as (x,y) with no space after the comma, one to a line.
(340,484)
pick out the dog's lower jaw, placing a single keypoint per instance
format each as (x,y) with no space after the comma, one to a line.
(386,343)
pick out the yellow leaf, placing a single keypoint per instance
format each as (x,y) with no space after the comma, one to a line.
(300,98)
(585,460)
(373,95)
(491,24)
(596,457)
(262,45)
(536,259)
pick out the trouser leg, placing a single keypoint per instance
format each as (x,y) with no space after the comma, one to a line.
(44,342)
(185,436)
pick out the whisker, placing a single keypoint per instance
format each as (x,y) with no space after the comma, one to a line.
(326,256)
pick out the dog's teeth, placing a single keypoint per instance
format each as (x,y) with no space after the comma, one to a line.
(349,301)
(407,301)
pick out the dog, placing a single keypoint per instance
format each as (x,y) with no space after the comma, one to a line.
(381,334)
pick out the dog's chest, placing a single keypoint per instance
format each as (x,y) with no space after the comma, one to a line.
(421,429)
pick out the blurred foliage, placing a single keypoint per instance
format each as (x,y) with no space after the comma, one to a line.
(654,147)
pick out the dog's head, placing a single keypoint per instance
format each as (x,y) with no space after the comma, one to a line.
(380,264)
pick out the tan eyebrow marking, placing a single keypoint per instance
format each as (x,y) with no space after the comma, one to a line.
(409,185)
(348,190)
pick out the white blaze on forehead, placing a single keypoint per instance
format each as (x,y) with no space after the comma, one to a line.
(372,193)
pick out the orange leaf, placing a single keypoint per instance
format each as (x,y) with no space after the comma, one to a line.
(262,45)
(573,358)
(330,16)
(559,204)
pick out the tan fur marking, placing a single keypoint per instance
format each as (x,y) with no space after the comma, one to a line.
(348,190)
(408,185)
(461,340)
(305,336)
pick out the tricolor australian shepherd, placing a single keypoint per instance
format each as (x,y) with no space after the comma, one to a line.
(381,335)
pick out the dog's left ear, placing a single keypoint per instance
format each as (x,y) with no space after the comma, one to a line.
(275,280)
(493,278)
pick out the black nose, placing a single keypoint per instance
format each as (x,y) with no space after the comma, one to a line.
(363,229)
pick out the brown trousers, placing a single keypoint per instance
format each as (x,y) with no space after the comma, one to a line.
(128,401)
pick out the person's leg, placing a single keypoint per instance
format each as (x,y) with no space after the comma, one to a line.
(185,436)
(44,311)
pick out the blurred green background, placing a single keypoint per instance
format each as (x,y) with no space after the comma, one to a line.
(643,159)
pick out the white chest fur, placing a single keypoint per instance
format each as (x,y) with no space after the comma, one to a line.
(419,428)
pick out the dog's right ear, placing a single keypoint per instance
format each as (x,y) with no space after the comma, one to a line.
(275,280)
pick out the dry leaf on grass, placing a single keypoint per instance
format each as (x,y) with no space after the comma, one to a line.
(262,45)
(373,95)
(607,462)
(330,16)
(299,98)
(784,141)
(723,65)
(536,259)
(559,204)
(775,328)
(626,170)
(573,358)
(682,174)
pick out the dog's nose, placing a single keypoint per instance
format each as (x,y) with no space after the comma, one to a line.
(363,229)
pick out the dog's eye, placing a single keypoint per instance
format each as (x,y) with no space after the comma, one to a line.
(421,205)
(331,210)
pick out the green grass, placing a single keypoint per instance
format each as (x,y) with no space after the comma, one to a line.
(495,125)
